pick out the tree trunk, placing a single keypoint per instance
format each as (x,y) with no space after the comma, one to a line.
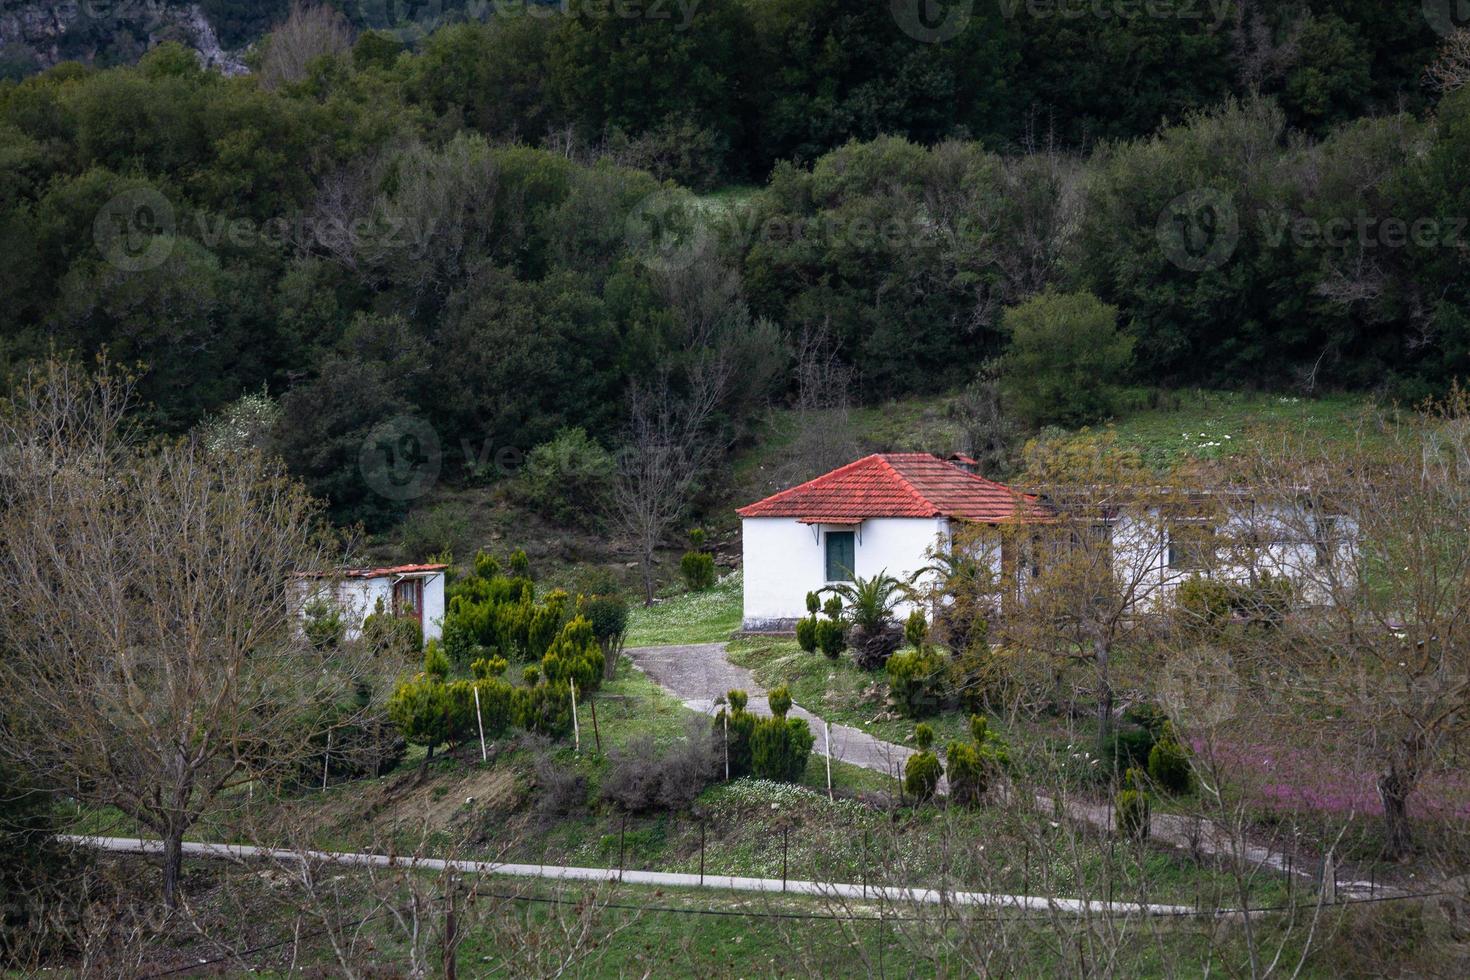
(173,862)
(1100,653)
(647,571)
(1394,788)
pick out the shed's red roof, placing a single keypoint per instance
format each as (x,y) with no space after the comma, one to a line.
(898,485)
(377,572)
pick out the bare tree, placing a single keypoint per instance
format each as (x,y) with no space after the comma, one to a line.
(1384,638)
(824,433)
(148,615)
(1451,70)
(310,31)
(1117,540)
(661,463)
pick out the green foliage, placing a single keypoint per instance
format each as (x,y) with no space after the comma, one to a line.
(916,629)
(831,637)
(576,657)
(519,564)
(324,626)
(696,538)
(921,774)
(806,633)
(923,736)
(813,603)
(395,636)
(916,681)
(567,479)
(968,778)
(1066,359)
(780,747)
(779,699)
(1131,807)
(436,664)
(733,728)
(1204,603)
(543,709)
(698,569)
(419,707)
(489,667)
(1168,763)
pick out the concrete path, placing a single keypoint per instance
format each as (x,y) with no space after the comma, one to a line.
(698,673)
(827,889)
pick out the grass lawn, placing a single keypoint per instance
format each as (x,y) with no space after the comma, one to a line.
(689,617)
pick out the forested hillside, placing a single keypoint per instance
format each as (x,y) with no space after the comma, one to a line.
(505,225)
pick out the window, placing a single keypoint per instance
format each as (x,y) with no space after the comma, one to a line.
(1191,547)
(408,598)
(841,556)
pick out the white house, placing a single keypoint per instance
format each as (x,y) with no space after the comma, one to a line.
(880,513)
(413,591)
(888,511)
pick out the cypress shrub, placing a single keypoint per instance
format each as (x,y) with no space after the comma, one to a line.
(1131,807)
(1168,763)
(915,679)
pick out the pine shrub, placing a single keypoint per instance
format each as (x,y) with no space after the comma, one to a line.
(806,634)
(967,776)
(780,748)
(1131,807)
(698,568)
(1168,763)
(916,681)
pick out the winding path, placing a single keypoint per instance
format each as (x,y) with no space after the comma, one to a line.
(698,673)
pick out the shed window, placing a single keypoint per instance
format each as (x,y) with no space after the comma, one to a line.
(841,556)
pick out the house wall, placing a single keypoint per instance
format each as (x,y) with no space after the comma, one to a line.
(784,559)
(358,598)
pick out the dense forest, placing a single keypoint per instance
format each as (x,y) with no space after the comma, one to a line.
(503,221)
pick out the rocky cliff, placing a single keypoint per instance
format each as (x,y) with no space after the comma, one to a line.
(36,34)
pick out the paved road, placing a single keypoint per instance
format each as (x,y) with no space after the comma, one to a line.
(827,889)
(698,673)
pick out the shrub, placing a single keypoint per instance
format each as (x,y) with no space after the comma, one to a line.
(779,699)
(698,569)
(1267,602)
(1066,359)
(394,636)
(545,709)
(494,705)
(642,778)
(916,681)
(1168,763)
(608,614)
(434,530)
(575,656)
(922,770)
(733,729)
(519,564)
(561,790)
(489,667)
(1203,604)
(458,637)
(831,638)
(916,629)
(779,748)
(1131,808)
(806,634)
(968,778)
(999,679)
(436,664)
(324,627)
(419,707)
(566,480)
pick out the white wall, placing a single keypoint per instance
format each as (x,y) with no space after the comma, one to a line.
(358,598)
(783,560)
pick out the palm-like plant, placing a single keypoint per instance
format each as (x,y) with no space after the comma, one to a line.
(870,601)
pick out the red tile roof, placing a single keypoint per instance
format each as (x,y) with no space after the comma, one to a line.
(377,572)
(898,485)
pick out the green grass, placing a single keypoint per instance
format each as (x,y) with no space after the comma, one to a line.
(689,617)
(1185,425)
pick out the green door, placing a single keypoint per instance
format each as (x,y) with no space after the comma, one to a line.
(841,556)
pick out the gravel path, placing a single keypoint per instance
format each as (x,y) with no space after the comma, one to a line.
(698,673)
